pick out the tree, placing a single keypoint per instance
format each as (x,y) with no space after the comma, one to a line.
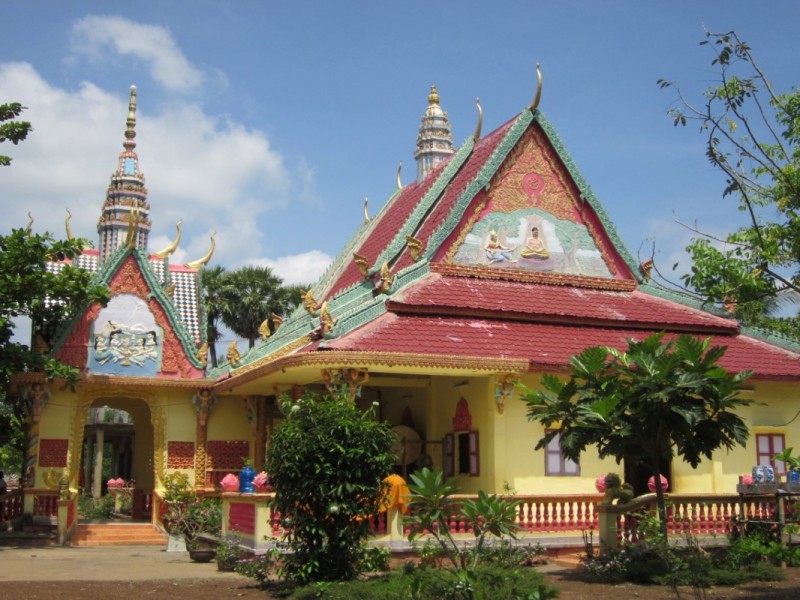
(47,298)
(326,462)
(752,136)
(212,282)
(654,401)
(11,130)
(250,296)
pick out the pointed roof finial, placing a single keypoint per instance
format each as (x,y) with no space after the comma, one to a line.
(477,135)
(399,183)
(433,97)
(174,245)
(130,122)
(366,209)
(535,104)
(204,261)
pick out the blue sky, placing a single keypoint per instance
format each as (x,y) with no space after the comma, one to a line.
(270,122)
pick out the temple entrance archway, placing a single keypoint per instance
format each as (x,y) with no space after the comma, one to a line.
(118,443)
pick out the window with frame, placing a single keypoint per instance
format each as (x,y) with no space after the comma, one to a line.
(555,463)
(461,454)
(767,446)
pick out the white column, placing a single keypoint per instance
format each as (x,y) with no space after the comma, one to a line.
(97,479)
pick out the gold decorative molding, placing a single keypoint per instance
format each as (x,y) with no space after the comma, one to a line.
(362,263)
(350,380)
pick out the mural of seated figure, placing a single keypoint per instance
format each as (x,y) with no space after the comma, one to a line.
(496,251)
(534,247)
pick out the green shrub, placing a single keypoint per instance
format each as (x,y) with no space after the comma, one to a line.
(263,568)
(326,462)
(100,508)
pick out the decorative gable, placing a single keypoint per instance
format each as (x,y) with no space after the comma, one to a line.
(137,334)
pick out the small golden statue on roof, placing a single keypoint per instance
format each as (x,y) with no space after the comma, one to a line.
(363,264)
(386,279)
(326,321)
(309,302)
(233,354)
(415,247)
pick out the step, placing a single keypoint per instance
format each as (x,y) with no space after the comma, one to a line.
(117,535)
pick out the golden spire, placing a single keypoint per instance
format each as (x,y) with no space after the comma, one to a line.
(477,135)
(173,246)
(433,97)
(535,104)
(70,237)
(204,261)
(399,183)
(130,122)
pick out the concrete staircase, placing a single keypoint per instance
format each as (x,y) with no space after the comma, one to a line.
(117,534)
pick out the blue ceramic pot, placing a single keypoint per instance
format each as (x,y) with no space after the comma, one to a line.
(246,477)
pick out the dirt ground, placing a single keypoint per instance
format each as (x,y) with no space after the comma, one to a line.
(133,573)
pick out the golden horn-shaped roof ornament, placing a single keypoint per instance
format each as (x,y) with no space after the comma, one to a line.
(30,222)
(366,209)
(477,135)
(535,104)
(174,245)
(399,183)
(204,261)
(70,237)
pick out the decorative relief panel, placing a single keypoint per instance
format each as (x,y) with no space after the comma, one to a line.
(53,452)
(227,454)
(180,455)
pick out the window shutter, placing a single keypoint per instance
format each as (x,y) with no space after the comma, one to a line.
(448,458)
(474,457)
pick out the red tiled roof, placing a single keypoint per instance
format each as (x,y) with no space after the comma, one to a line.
(480,154)
(542,345)
(439,294)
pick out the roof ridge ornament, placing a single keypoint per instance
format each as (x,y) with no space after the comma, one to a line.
(204,261)
(399,183)
(70,236)
(366,212)
(174,245)
(477,135)
(535,104)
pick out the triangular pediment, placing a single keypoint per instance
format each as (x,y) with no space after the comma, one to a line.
(137,334)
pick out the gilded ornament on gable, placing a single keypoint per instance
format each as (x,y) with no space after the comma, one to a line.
(363,265)
(309,302)
(415,247)
(263,330)
(202,354)
(386,279)
(233,355)
(645,268)
(326,321)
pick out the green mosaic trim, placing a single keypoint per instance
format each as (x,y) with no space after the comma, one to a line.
(587,194)
(409,275)
(480,181)
(773,338)
(361,316)
(103,277)
(683,298)
(423,207)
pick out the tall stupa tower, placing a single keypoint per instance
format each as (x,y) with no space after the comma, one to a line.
(125,217)
(435,139)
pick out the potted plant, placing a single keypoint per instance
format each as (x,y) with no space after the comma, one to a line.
(199,521)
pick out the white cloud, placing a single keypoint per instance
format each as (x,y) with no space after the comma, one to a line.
(98,37)
(299,269)
(212,172)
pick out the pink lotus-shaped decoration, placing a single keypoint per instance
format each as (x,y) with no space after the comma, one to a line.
(116,483)
(651,484)
(600,484)
(261,482)
(747,479)
(230,483)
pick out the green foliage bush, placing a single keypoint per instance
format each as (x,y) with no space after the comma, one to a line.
(100,508)
(327,462)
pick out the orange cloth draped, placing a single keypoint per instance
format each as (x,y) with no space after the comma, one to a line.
(397,494)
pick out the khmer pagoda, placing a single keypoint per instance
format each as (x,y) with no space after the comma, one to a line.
(494,266)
